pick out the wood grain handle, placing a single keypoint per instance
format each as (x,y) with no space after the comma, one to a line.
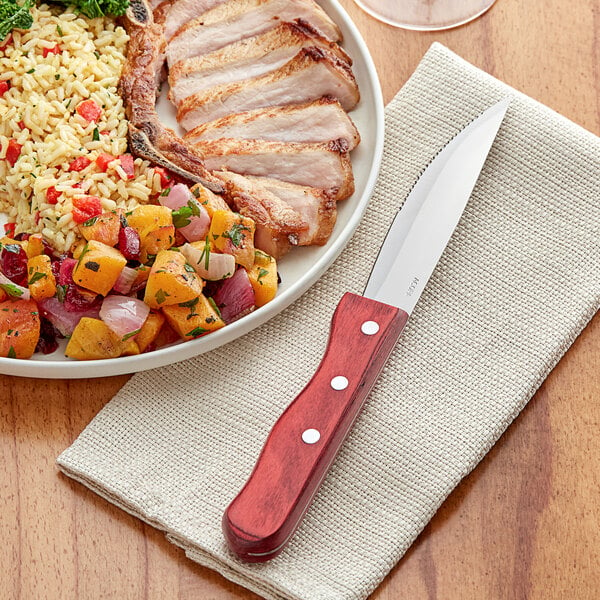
(306,438)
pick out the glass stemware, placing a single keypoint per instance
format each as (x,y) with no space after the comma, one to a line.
(425,15)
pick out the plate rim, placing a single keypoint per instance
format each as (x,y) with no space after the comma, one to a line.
(70,369)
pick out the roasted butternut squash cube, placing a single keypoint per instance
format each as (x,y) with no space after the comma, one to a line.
(149,330)
(209,200)
(263,277)
(193,319)
(149,217)
(19,328)
(171,281)
(232,233)
(142,274)
(103,228)
(155,241)
(40,278)
(166,336)
(34,245)
(94,339)
(98,267)
(130,347)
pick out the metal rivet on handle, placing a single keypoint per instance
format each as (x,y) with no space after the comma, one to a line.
(311,436)
(339,383)
(369,327)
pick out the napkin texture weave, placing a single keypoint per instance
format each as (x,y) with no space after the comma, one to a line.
(518,282)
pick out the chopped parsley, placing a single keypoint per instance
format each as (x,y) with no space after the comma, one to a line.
(161,296)
(205,254)
(261,273)
(183,215)
(212,302)
(36,277)
(196,332)
(235,234)
(12,289)
(130,334)
(89,222)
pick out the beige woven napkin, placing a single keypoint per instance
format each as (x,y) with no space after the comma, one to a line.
(518,282)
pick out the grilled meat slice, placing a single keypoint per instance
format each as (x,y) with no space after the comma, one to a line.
(323,165)
(234,20)
(246,58)
(318,121)
(316,207)
(278,226)
(179,12)
(139,87)
(311,74)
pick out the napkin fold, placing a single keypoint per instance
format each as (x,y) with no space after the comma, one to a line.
(516,285)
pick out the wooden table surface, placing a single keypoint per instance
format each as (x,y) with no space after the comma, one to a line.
(524,524)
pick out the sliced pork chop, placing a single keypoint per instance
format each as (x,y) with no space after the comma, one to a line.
(179,12)
(323,165)
(246,58)
(316,207)
(311,74)
(278,226)
(234,20)
(148,137)
(318,121)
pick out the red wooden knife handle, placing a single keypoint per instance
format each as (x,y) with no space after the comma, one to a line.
(306,438)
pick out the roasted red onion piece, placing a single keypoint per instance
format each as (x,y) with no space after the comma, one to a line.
(235,297)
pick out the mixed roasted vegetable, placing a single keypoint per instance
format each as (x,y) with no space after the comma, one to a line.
(175,270)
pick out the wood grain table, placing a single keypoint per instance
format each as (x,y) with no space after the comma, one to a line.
(524,524)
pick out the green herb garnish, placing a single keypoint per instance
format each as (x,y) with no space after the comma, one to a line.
(11,289)
(235,234)
(36,277)
(130,334)
(261,273)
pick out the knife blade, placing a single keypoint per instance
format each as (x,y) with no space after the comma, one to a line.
(364,330)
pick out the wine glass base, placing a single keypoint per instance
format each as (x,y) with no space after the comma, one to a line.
(425,15)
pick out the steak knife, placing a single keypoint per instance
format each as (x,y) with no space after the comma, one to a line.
(364,330)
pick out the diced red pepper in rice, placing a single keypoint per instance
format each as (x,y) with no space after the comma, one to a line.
(85,208)
(13,151)
(52,195)
(54,50)
(165,177)
(4,86)
(89,110)
(9,229)
(127,165)
(80,163)
(103,160)
(22,125)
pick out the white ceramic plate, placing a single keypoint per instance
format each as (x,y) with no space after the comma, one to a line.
(299,269)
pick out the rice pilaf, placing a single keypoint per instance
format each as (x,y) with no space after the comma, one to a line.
(63,60)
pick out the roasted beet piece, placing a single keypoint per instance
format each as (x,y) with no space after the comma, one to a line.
(79,300)
(13,263)
(129,243)
(49,335)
